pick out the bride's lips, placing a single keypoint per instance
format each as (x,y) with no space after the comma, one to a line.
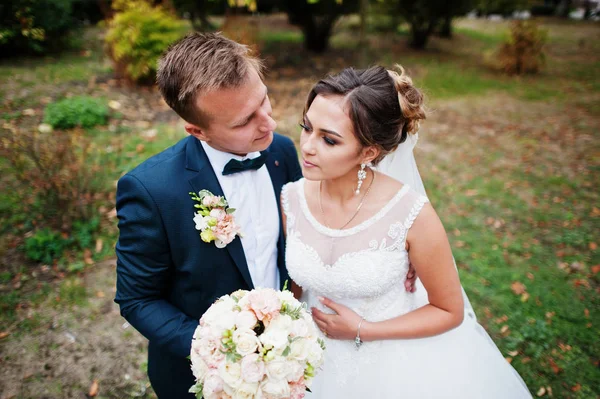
(307,164)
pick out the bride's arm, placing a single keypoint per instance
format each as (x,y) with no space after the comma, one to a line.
(295,288)
(430,253)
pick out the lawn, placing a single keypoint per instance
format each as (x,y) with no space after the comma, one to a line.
(510,163)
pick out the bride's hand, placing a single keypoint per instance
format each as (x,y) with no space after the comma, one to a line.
(341,325)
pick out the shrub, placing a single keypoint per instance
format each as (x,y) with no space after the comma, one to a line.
(45,245)
(35,26)
(85,112)
(137,37)
(57,177)
(524,50)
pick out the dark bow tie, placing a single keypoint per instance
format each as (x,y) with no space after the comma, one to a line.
(235,166)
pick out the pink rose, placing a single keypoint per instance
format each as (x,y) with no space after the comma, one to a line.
(210,200)
(253,368)
(218,213)
(298,389)
(264,303)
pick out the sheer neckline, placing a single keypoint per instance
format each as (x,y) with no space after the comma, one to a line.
(352,230)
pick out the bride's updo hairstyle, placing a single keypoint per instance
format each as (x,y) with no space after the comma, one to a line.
(383,105)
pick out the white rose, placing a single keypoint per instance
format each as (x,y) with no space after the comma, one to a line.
(213,385)
(300,328)
(288,297)
(295,370)
(246,391)
(277,369)
(220,316)
(245,320)
(230,373)
(199,367)
(245,341)
(274,338)
(275,389)
(299,349)
(315,354)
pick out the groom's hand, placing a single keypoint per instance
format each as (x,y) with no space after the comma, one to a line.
(411,278)
(341,325)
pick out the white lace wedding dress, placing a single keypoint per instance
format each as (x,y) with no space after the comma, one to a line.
(364,268)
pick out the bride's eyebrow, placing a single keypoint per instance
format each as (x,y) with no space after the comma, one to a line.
(323,130)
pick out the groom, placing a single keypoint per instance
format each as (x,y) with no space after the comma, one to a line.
(167,277)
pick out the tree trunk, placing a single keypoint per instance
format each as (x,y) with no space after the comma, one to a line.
(446,28)
(563,9)
(317,32)
(421,31)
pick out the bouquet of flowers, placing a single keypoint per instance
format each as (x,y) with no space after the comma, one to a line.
(259,344)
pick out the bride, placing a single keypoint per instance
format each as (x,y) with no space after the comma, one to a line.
(352,232)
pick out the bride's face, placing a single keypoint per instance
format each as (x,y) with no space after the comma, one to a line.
(329,148)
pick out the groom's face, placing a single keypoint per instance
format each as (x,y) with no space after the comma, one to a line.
(238,119)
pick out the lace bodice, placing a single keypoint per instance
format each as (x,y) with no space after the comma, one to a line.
(363,267)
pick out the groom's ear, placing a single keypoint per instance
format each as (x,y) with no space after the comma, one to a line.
(196,131)
(370,153)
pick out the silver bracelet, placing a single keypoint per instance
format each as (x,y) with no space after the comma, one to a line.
(357,341)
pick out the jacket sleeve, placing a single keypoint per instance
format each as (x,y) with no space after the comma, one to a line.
(144,269)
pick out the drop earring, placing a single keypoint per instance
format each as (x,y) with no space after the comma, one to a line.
(362,175)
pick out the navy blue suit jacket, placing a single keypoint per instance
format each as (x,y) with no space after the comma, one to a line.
(167,277)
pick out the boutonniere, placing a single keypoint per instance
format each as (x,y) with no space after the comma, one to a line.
(214,219)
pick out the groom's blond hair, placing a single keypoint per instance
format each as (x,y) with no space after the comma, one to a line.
(200,63)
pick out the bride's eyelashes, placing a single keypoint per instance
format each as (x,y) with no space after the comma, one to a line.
(308,129)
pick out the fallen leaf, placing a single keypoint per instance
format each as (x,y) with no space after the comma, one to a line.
(504,329)
(140,148)
(586,312)
(549,389)
(525,360)
(99,244)
(114,104)
(576,388)
(29,112)
(513,353)
(555,367)
(596,269)
(530,276)
(87,257)
(508,359)
(100,294)
(93,389)
(518,288)
(4,334)
(525,297)
(471,193)
(593,246)
(541,391)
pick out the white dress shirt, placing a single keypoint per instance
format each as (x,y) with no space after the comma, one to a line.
(252,195)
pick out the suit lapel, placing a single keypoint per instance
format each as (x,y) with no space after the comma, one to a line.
(277,174)
(205,179)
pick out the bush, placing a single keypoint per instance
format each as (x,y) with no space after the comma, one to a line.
(57,177)
(138,36)
(35,26)
(524,50)
(45,245)
(85,112)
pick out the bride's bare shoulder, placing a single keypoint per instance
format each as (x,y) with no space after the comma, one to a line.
(387,186)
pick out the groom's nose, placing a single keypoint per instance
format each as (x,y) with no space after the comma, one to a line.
(268,124)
